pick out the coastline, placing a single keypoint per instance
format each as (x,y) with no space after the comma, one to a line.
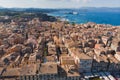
(61,19)
(109,18)
(33,45)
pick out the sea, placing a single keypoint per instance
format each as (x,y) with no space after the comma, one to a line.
(98,15)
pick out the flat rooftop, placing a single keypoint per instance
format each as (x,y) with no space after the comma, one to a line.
(48,68)
(11,72)
(83,56)
(28,69)
(70,70)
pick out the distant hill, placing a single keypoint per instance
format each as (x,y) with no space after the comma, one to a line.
(101,9)
(27,10)
(24,13)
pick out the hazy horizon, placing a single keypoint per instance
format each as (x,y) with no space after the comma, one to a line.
(56,8)
(59,3)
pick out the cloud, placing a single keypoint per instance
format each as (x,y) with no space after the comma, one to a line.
(85,1)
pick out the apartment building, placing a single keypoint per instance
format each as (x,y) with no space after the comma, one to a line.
(114,64)
(48,71)
(100,63)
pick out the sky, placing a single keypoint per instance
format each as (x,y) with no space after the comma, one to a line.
(58,3)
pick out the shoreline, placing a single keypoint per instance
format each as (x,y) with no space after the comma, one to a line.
(62,17)
(32,47)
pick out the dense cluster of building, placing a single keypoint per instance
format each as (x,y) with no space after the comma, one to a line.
(36,50)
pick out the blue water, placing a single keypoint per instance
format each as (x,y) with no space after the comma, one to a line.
(100,17)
